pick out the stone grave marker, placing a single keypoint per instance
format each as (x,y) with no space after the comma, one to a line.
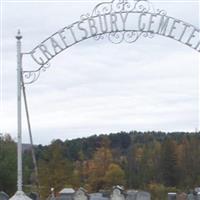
(182,196)
(191,196)
(66,194)
(117,194)
(197,189)
(97,196)
(172,196)
(197,196)
(80,194)
(143,196)
(131,195)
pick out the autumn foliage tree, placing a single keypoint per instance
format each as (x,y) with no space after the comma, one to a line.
(114,176)
(154,161)
(54,170)
(101,169)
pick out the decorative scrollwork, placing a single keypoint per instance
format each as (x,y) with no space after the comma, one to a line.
(131,36)
(161,12)
(123,36)
(123,5)
(102,8)
(148,34)
(100,37)
(143,6)
(116,37)
(32,76)
(85,16)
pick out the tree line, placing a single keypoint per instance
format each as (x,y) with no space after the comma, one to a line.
(154,161)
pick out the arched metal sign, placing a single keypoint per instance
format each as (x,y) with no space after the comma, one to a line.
(115,26)
(117,21)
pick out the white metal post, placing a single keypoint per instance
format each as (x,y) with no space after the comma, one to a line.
(19,195)
(19,116)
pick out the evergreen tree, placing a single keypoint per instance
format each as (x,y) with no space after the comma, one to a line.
(8,165)
(169,163)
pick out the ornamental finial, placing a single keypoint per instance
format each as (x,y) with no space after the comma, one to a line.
(18,36)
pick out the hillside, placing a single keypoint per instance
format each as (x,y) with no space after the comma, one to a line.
(154,161)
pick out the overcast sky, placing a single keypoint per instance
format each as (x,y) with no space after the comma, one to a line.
(98,87)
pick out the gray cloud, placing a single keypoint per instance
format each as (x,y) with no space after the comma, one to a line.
(98,87)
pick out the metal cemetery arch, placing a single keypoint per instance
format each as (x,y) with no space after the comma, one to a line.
(118,21)
(113,20)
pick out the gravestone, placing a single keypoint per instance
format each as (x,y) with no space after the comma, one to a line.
(97,196)
(80,194)
(66,194)
(143,196)
(197,189)
(194,196)
(131,195)
(172,196)
(34,196)
(197,192)
(182,196)
(3,196)
(117,194)
(191,196)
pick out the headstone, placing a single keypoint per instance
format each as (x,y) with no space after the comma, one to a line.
(198,196)
(105,193)
(80,194)
(143,196)
(131,195)
(172,196)
(182,196)
(190,196)
(34,196)
(3,196)
(197,192)
(66,194)
(97,196)
(197,189)
(117,194)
